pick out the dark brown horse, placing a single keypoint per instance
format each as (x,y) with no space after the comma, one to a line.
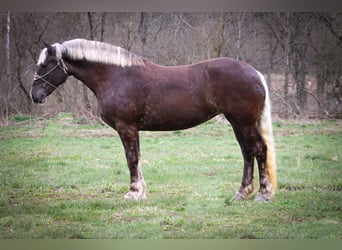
(135,94)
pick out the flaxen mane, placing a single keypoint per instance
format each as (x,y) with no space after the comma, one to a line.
(93,51)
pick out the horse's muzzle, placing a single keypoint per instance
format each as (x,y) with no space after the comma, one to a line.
(38,95)
(36,99)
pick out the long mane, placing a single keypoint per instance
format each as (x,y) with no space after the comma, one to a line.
(93,51)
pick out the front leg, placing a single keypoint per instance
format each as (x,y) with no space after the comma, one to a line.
(130,139)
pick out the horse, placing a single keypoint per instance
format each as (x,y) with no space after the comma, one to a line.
(135,94)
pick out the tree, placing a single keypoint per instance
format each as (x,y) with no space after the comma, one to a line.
(327,60)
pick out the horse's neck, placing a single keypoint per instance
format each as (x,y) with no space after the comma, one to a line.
(95,76)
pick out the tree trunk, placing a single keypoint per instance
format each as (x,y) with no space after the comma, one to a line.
(219,37)
(8,44)
(238,37)
(86,100)
(142,31)
(272,50)
(7,77)
(103,23)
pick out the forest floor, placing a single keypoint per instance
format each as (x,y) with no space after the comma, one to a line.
(61,178)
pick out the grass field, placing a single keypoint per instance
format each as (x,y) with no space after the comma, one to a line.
(60,178)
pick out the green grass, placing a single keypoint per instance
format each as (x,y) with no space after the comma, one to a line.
(63,179)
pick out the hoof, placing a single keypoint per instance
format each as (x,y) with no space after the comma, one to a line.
(243,193)
(135,196)
(239,197)
(137,191)
(262,197)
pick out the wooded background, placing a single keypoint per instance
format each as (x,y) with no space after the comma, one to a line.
(300,54)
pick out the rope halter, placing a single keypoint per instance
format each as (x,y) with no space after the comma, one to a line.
(60,64)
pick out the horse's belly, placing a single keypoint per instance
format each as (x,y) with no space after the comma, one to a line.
(178,119)
(171,125)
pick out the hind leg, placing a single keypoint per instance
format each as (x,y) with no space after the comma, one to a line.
(246,141)
(252,146)
(265,191)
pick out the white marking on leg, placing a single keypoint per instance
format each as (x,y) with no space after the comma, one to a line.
(139,188)
(243,193)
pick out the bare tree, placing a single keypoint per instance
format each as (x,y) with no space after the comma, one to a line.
(328,59)
(279,27)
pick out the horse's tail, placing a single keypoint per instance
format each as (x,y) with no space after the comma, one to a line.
(265,129)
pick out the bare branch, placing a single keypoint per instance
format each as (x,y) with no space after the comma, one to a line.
(317,100)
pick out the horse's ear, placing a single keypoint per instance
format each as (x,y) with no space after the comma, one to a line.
(49,47)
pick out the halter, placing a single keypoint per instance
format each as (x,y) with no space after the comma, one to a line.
(60,64)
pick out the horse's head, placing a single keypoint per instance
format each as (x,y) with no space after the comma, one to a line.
(51,73)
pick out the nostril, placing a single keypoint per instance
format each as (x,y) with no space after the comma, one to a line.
(38,99)
(34,99)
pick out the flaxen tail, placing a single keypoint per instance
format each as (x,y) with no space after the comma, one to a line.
(265,129)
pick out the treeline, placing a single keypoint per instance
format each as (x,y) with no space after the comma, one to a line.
(299,53)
